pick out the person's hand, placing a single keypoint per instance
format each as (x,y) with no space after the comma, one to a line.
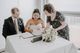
(30,30)
(55,29)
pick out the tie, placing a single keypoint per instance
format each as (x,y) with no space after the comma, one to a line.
(16,25)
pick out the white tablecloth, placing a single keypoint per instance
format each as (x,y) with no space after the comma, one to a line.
(14,44)
(2,43)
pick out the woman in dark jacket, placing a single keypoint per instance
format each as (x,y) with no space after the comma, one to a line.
(57,20)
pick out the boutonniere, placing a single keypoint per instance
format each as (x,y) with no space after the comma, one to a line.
(20,23)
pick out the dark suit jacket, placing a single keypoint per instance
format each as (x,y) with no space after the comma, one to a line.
(9,27)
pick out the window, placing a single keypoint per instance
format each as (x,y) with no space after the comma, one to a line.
(66,5)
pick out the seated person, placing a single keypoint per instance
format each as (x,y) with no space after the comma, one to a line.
(35,22)
(13,24)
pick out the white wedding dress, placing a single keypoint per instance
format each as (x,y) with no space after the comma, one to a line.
(37,29)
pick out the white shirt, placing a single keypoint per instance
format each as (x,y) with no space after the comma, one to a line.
(16,26)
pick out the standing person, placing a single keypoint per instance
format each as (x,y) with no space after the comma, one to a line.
(57,20)
(13,24)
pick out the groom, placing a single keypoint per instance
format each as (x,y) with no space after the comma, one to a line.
(13,24)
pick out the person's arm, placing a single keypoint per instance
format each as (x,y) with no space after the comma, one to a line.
(5,31)
(48,23)
(61,19)
(47,26)
(63,25)
(22,26)
(27,27)
(42,23)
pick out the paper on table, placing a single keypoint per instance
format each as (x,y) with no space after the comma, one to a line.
(37,29)
(26,35)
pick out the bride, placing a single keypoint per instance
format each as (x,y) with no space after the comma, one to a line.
(35,25)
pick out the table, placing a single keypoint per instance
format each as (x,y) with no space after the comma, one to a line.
(14,44)
(2,43)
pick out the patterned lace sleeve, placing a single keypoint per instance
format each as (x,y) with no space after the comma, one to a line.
(60,17)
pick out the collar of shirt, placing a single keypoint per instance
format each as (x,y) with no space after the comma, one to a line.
(14,19)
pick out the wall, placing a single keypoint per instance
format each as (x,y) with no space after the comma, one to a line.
(27,7)
(66,5)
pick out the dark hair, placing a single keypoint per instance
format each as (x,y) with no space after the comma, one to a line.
(13,10)
(49,8)
(36,11)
